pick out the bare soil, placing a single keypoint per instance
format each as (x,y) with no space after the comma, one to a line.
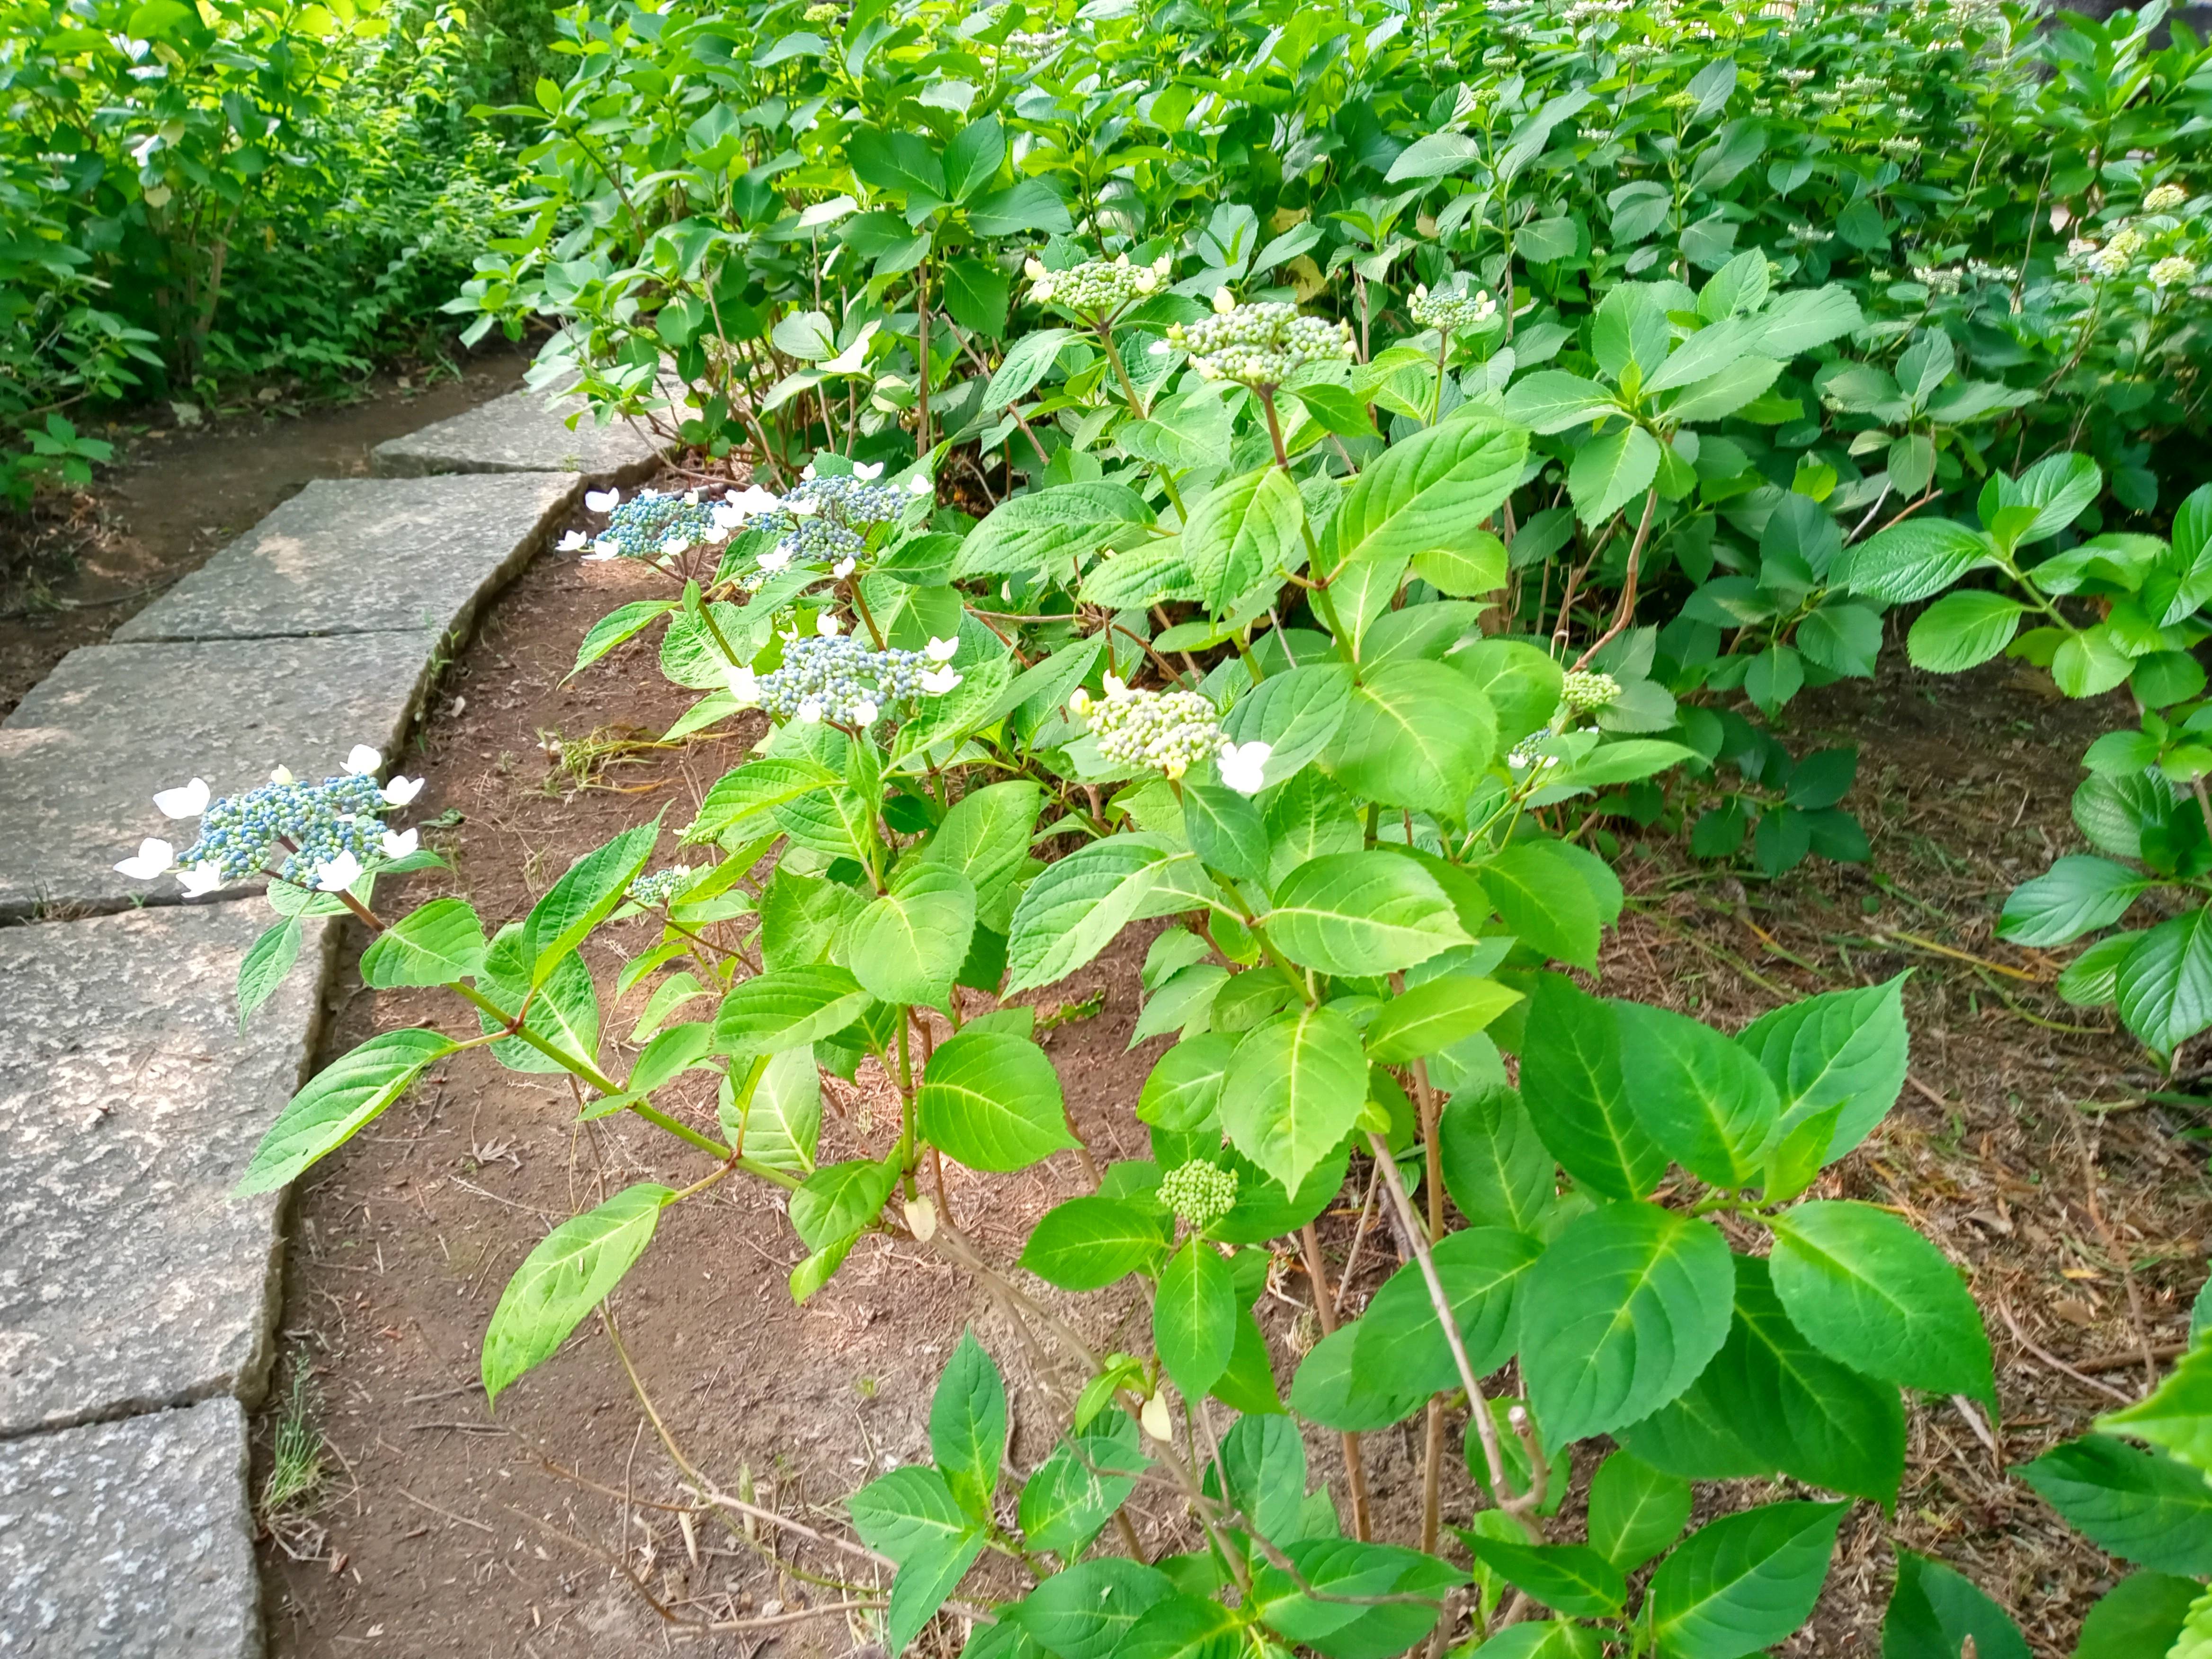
(559,1525)
(83,561)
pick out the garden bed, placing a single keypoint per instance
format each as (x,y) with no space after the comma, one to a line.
(2023,1145)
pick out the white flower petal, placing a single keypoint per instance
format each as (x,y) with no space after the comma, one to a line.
(809,713)
(400,791)
(937,681)
(602,501)
(574,542)
(744,686)
(203,878)
(280,775)
(868,471)
(340,873)
(827,625)
(941,650)
(187,801)
(864,713)
(401,843)
(153,857)
(361,760)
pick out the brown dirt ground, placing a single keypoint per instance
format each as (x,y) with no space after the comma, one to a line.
(559,1526)
(82,563)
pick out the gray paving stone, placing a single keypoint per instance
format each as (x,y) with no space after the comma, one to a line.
(525,431)
(129,1540)
(129,1279)
(83,754)
(357,556)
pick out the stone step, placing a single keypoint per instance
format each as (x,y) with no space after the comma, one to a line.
(129,1540)
(525,431)
(83,753)
(131,1279)
(357,555)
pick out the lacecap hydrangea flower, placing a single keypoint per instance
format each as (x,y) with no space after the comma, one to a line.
(651,525)
(660,886)
(2165,198)
(825,520)
(1168,733)
(1585,693)
(840,678)
(1198,1193)
(329,833)
(1097,288)
(1454,309)
(1258,345)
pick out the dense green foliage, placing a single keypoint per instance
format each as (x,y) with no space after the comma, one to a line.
(192,195)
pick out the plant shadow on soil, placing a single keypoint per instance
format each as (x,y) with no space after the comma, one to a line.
(560,1526)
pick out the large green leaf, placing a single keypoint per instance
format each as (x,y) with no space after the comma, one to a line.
(583,898)
(1296,714)
(338,1101)
(1073,909)
(1482,1270)
(840,1200)
(1934,1611)
(986,838)
(1497,1168)
(2140,1615)
(563,1012)
(782,1121)
(1636,1301)
(1798,1409)
(1744,1582)
(1610,471)
(1076,1490)
(908,945)
(1570,1578)
(1542,893)
(1429,490)
(2178,1415)
(2154,1510)
(1871,1291)
(1295,1088)
(991,1101)
(1362,914)
(742,804)
(1243,529)
(968,1426)
(1912,560)
(1635,1510)
(1085,1612)
(1572,1084)
(2077,895)
(435,944)
(1194,1311)
(568,1274)
(1088,1243)
(1702,1099)
(1434,1015)
(1844,1050)
(786,1008)
(1963,629)
(1415,734)
(1053,527)
(2164,985)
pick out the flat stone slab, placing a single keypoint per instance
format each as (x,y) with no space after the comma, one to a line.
(357,555)
(129,1540)
(83,754)
(131,1279)
(525,431)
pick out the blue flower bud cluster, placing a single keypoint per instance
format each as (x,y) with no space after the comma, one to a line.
(321,820)
(661,885)
(823,541)
(840,679)
(643,525)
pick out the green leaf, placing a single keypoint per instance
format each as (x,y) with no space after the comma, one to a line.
(1933,1611)
(2077,895)
(991,1100)
(908,945)
(968,1426)
(1427,492)
(742,804)
(1869,1290)
(1543,900)
(1183,1627)
(1194,1318)
(568,1274)
(1076,1490)
(781,1123)
(1545,1638)
(1025,533)
(1362,914)
(1635,1510)
(1296,714)
(1912,560)
(1842,1050)
(788,1008)
(583,898)
(1798,1409)
(1185,1086)
(1087,1243)
(1028,360)
(2164,985)
(1551,400)
(1339,1617)
(1225,830)
(2178,1416)
(1025,205)
(1073,909)
(1744,1582)
(1570,1578)
(563,1012)
(263,967)
(1703,1100)
(1496,1167)
(1295,1087)
(1611,470)
(2144,1505)
(972,159)
(337,1101)
(1691,1438)
(922,1585)
(1483,1270)
(2140,1615)
(435,944)
(908,1514)
(1962,630)
(1244,529)
(1415,734)
(1571,1083)
(900,161)
(2090,663)
(624,622)
(1637,1300)
(1085,1611)
(1434,1015)
(840,1200)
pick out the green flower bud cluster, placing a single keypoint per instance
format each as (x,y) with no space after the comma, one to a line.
(1258,345)
(661,885)
(1585,693)
(1200,1192)
(1163,732)
(1455,309)
(1097,288)
(2165,198)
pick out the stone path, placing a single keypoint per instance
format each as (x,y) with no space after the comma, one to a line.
(138,1297)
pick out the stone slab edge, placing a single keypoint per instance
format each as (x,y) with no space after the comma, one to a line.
(416,455)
